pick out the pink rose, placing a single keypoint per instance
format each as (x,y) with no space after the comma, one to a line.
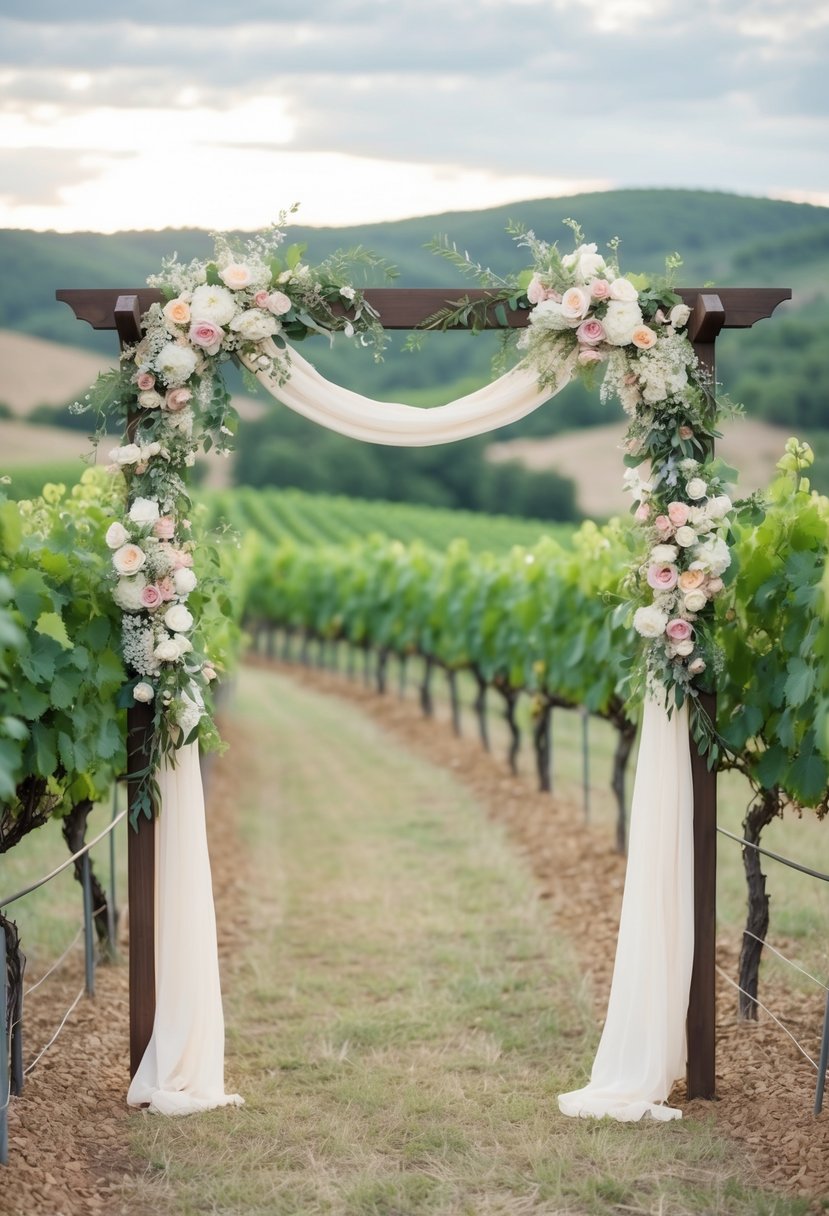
(600,289)
(261,299)
(279,303)
(164,527)
(145,381)
(207,335)
(663,578)
(181,559)
(679,630)
(536,291)
(590,332)
(663,525)
(141,467)
(167,588)
(177,399)
(678,513)
(588,355)
(714,586)
(642,513)
(151,597)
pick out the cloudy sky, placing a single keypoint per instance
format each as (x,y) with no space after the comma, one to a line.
(220,113)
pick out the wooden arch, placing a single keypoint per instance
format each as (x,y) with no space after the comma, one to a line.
(408,308)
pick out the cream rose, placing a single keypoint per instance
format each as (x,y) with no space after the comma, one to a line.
(695,601)
(144,511)
(130,453)
(663,555)
(129,559)
(585,261)
(679,315)
(548,315)
(116,536)
(683,649)
(167,651)
(236,276)
(623,289)
(178,618)
(719,506)
(696,666)
(278,303)
(127,592)
(574,303)
(696,488)
(254,325)
(143,692)
(620,320)
(685,537)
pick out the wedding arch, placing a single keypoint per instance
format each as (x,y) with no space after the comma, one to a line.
(706,313)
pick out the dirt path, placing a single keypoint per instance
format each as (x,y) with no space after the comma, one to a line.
(765,1086)
(70,1132)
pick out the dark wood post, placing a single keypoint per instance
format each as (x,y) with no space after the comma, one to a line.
(707,319)
(141,839)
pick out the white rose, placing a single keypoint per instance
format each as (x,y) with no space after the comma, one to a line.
(650,621)
(679,315)
(127,592)
(254,324)
(623,289)
(150,450)
(214,304)
(696,488)
(695,601)
(176,363)
(236,276)
(167,651)
(685,537)
(208,672)
(585,261)
(663,555)
(347,292)
(144,511)
(178,618)
(620,320)
(699,518)
(143,692)
(184,581)
(719,506)
(548,315)
(184,644)
(683,649)
(130,453)
(150,400)
(116,535)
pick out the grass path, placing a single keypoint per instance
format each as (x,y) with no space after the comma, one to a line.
(402,1014)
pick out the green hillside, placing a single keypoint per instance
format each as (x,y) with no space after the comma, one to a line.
(779,370)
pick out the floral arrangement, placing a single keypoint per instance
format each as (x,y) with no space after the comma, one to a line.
(170,398)
(588,318)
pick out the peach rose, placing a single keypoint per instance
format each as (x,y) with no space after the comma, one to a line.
(715,586)
(236,276)
(575,303)
(689,580)
(643,337)
(177,312)
(164,527)
(177,399)
(678,513)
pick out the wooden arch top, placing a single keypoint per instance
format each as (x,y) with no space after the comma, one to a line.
(409,307)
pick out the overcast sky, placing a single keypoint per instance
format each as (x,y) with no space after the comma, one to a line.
(219,114)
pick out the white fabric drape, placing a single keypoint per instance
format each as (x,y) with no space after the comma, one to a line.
(182,1070)
(506,399)
(642,1049)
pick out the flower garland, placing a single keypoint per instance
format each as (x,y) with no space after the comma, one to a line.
(587,317)
(170,397)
